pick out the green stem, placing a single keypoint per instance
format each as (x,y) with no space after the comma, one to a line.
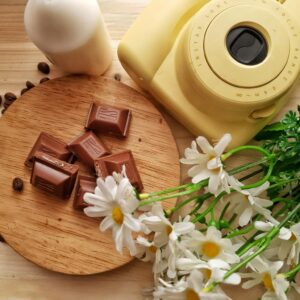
(248,166)
(183,203)
(170,190)
(246,148)
(210,207)
(185,193)
(292,273)
(262,181)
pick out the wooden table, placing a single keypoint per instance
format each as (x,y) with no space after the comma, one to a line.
(20,279)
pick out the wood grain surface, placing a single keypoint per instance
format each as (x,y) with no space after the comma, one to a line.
(22,280)
(45,229)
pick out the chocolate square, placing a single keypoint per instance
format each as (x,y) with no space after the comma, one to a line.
(88,147)
(108,120)
(51,146)
(105,166)
(85,184)
(53,175)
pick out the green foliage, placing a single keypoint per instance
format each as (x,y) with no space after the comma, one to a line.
(283,140)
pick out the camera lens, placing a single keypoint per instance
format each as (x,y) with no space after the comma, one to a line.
(247,45)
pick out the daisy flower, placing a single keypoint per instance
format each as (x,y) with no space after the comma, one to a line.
(247,203)
(163,228)
(208,163)
(146,249)
(266,272)
(116,202)
(213,271)
(187,289)
(211,245)
(167,234)
(290,248)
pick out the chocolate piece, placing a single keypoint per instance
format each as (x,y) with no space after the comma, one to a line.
(43,67)
(85,184)
(29,85)
(49,145)
(108,120)
(105,166)
(88,147)
(53,175)
(18,184)
(44,79)
(24,91)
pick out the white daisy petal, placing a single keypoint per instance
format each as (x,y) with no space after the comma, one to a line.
(95,212)
(223,143)
(204,145)
(245,217)
(106,223)
(132,223)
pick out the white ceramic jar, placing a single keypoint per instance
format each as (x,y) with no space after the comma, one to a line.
(71,33)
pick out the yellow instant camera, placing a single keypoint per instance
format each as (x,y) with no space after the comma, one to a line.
(218,66)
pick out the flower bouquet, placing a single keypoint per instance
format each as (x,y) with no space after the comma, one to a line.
(241,226)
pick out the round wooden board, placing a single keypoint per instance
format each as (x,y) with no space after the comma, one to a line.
(47,230)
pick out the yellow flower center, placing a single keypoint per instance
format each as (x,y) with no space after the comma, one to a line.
(152,249)
(210,249)
(169,229)
(206,273)
(267,281)
(117,215)
(191,295)
(293,238)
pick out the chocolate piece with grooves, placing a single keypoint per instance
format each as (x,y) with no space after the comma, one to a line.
(85,184)
(52,175)
(51,146)
(88,147)
(105,166)
(108,120)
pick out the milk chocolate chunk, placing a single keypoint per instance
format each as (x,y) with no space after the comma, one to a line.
(51,146)
(85,184)
(108,120)
(88,147)
(105,166)
(53,175)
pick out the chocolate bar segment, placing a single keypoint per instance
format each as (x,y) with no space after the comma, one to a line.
(88,147)
(108,120)
(51,146)
(105,166)
(85,184)
(53,175)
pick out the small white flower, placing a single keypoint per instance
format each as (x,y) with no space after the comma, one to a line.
(211,245)
(163,228)
(146,249)
(167,234)
(208,164)
(246,204)
(266,272)
(189,289)
(213,270)
(290,248)
(116,201)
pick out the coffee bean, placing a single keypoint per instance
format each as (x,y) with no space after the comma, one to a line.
(10,97)
(18,184)
(43,67)
(24,91)
(44,79)
(118,77)
(29,85)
